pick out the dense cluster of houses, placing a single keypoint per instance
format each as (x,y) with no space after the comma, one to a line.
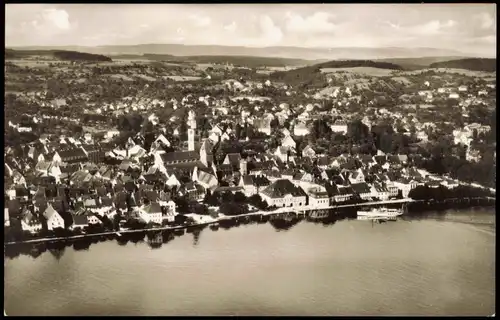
(60,175)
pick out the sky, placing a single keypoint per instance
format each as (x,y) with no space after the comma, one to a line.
(464,27)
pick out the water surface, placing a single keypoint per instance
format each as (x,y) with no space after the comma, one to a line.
(442,265)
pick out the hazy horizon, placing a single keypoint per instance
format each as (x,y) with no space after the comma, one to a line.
(467,28)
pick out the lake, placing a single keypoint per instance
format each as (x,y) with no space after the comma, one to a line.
(443,264)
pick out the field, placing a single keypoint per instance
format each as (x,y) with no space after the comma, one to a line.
(264,71)
(204,66)
(369,71)
(284,68)
(469,73)
(182,78)
(121,77)
(145,77)
(31,63)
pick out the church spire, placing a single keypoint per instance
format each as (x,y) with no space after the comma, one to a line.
(191,124)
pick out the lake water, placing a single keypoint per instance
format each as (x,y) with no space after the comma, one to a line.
(441,265)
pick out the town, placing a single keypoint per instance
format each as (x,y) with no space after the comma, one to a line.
(112,146)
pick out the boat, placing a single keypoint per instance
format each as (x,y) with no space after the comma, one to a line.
(380,213)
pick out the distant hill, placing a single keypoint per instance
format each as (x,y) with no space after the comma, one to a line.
(358,63)
(11,54)
(251,61)
(276,52)
(20,54)
(247,61)
(473,64)
(312,74)
(418,63)
(80,56)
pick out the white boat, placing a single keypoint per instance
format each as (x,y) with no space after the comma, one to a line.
(380,213)
(368,218)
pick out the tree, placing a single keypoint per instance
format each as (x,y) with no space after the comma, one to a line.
(274,124)
(237,131)
(233,209)
(256,201)
(357,131)
(211,199)
(199,208)
(240,197)
(320,128)
(227,197)
(116,221)
(182,204)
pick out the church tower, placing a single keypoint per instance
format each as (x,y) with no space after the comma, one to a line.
(191,124)
(243,167)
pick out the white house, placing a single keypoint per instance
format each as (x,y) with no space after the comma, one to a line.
(421,135)
(55,171)
(300,129)
(343,194)
(288,142)
(214,137)
(253,184)
(173,181)
(205,179)
(453,95)
(169,210)
(283,193)
(405,186)
(392,189)
(225,137)
(357,176)
(54,219)
(56,158)
(339,126)
(151,213)
(161,139)
(6,217)
(363,190)
(462,137)
(308,152)
(318,198)
(92,218)
(283,153)
(380,191)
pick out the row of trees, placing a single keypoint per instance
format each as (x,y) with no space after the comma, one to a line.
(228,203)
(442,193)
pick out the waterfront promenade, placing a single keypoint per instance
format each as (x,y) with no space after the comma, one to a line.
(201,220)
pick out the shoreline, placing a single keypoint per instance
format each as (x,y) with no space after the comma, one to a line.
(223,218)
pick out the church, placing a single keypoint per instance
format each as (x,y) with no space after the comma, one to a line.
(187,160)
